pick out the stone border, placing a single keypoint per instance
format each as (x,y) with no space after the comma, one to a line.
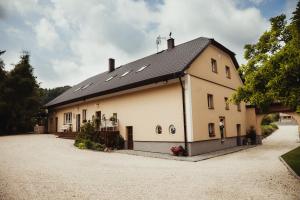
(289,168)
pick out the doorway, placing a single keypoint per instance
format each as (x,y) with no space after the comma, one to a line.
(222,128)
(238,133)
(56,124)
(129,137)
(78,123)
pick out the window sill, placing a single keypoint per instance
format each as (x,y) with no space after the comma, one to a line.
(211,108)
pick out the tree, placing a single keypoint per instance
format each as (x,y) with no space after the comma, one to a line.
(50,94)
(20,97)
(272,71)
(3,107)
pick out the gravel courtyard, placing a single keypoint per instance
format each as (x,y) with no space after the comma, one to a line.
(45,167)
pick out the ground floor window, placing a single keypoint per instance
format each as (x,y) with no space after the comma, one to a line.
(211,129)
(68,118)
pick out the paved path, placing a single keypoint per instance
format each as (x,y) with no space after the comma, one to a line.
(45,167)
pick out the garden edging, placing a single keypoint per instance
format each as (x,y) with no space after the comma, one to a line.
(289,168)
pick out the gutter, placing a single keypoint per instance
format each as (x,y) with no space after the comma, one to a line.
(184,116)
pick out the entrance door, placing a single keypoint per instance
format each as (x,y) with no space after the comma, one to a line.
(129,137)
(78,123)
(98,120)
(238,138)
(56,124)
(222,128)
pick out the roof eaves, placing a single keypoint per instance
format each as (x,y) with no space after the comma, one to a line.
(125,87)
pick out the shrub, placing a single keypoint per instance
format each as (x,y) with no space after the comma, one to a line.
(251,133)
(268,129)
(268,119)
(89,138)
(81,145)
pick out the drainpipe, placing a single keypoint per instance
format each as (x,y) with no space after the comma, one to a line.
(184,116)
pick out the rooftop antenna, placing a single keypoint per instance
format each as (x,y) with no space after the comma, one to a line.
(158,41)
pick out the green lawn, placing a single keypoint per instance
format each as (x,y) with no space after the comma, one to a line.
(292,158)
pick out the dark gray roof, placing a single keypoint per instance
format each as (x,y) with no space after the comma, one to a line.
(164,65)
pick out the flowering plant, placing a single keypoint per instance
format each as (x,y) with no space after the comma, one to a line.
(178,151)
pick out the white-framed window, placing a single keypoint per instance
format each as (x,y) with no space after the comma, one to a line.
(214,67)
(84,115)
(211,129)
(227,71)
(210,101)
(68,118)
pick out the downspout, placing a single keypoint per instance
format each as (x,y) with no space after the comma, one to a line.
(184,117)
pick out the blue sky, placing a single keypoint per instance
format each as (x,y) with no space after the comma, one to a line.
(71,40)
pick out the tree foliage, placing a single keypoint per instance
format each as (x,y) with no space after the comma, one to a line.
(19,100)
(51,93)
(272,71)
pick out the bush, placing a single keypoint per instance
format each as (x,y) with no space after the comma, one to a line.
(252,135)
(268,119)
(88,144)
(81,145)
(268,129)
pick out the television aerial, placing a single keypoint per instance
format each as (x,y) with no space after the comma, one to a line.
(159,40)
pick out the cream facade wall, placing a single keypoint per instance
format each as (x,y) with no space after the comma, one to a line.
(203,82)
(202,67)
(143,110)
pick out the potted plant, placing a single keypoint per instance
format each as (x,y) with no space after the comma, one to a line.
(178,151)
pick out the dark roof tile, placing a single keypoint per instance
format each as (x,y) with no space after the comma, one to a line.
(162,64)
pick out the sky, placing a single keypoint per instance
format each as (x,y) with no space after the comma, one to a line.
(71,40)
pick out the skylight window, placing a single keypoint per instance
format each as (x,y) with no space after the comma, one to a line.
(77,89)
(109,78)
(87,85)
(142,68)
(125,74)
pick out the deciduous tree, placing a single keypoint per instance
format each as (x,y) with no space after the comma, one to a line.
(272,71)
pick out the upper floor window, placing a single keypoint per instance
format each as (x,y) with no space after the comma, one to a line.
(84,115)
(227,70)
(226,103)
(68,118)
(239,106)
(214,67)
(210,101)
(211,129)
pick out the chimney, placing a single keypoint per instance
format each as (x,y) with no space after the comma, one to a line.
(111,64)
(171,43)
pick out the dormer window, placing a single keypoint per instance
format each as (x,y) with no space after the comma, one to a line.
(142,68)
(214,67)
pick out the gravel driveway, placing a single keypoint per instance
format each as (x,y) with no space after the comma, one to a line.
(45,167)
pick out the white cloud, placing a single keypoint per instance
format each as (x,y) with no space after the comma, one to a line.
(46,34)
(89,32)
